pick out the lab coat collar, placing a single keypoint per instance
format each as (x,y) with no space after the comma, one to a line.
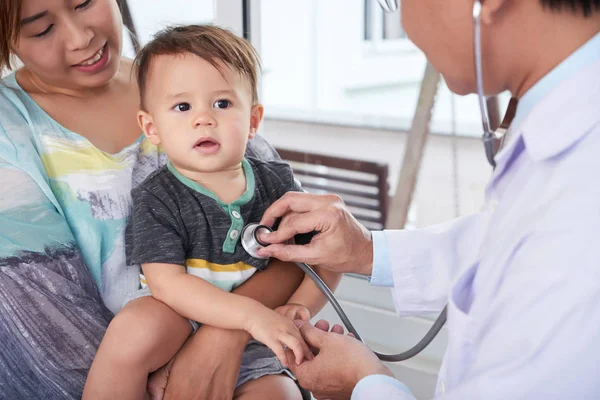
(559,99)
(563,117)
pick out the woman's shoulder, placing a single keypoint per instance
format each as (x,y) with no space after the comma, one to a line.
(15,132)
(13,100)
(272,173)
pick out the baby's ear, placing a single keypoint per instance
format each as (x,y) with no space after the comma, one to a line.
(146,122)
(256,116)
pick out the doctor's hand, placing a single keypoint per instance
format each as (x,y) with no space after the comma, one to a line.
(342,244)
(340,364)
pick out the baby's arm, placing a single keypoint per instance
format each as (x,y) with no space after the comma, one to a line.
(199,300)
(309,296)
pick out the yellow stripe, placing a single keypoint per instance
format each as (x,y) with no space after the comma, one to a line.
(63,159)
(198,263)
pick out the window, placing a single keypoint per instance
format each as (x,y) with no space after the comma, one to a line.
(150,16)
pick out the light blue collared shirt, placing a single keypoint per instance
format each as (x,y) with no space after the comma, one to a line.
(523,274)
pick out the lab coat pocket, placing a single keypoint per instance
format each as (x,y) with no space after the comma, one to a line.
(459,351)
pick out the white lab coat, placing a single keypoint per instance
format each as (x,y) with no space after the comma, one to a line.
(521,278)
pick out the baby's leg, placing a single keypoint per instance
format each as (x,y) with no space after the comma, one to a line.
(141,338)
(269,387)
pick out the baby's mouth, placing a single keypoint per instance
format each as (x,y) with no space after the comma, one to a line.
(207,145)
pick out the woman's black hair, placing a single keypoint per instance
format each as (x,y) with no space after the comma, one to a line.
(587,7)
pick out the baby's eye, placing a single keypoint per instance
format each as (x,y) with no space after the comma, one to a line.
(223,104)
(182,107)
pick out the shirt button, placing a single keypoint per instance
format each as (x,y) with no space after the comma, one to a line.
(443,387)
(234,234)
(236,214)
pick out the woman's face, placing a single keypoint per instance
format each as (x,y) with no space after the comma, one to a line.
(70,43)
(443,30)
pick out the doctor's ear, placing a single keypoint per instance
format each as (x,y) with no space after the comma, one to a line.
(146,122)
(256,116)
(491,9)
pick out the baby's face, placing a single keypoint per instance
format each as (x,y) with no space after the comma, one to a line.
(201,116)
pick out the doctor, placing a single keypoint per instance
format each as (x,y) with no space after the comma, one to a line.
(522,277)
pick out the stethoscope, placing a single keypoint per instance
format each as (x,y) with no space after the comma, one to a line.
(250,234)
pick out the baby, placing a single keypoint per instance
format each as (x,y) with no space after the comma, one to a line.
(198,88)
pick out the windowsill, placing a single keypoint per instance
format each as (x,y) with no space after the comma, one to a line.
(357,120)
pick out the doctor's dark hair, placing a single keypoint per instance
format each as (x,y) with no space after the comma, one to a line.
(210,43)
(587,7)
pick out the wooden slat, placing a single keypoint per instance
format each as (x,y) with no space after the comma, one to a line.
(364,206)
(332,189)
(366,198)
(330,161)
(301,172)
(362,217)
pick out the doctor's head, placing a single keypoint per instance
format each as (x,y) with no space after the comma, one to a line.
(522,40)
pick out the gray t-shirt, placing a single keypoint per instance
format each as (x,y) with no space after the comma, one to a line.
(177,221)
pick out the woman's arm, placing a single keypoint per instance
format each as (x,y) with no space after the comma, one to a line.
(220,349)
(52,318)
(199,300)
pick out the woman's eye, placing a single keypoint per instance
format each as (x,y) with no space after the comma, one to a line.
(182,107)
(45,31)
(223,104)
(83,5)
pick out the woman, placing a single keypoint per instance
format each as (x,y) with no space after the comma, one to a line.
(521,278)
(70,152)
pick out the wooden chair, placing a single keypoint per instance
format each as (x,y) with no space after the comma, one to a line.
(363,185)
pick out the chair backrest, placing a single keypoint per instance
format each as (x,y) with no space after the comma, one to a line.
(363,185)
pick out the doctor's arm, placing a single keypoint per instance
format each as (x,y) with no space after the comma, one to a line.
(537,338)
(420,264)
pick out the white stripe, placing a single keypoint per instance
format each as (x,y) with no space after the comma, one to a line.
(209,275)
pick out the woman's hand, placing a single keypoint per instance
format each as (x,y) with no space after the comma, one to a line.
(342,244)
(215,377)
(340,364)
(277,333)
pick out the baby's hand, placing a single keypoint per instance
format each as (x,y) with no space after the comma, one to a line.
(278,333)
(294,311)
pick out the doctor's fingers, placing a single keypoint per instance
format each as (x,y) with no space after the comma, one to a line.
(290,225)
(308,253)
(320,220)
(297,202)
(314,337)
(324,326)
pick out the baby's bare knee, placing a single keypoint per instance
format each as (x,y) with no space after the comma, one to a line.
(139,332)
(269,387)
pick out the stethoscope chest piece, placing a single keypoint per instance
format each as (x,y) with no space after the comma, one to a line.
(250,241)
